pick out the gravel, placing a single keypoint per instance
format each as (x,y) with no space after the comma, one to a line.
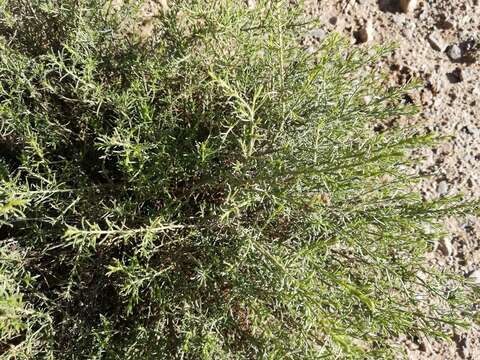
(454,52)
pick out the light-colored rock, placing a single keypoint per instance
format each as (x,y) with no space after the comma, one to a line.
(367,99)
(437,42)
(454,52)
(442,187)
(408,5)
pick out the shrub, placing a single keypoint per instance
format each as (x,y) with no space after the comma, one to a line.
(212,191)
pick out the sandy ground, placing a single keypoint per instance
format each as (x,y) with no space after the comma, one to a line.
(436,41)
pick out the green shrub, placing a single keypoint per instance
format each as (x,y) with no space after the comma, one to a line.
(213,191)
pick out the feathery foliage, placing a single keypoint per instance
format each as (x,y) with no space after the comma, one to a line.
(213,191)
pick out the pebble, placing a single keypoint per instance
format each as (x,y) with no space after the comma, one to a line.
(408,5)
(367,99)
(455,76)
(442,187)
(437,42)
(454,52)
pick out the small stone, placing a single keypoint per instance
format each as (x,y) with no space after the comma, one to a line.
(455,76)
(408,5)
(437,42)
(251,4)
(445,148)
(366,33)
(454,52)
(442,187)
